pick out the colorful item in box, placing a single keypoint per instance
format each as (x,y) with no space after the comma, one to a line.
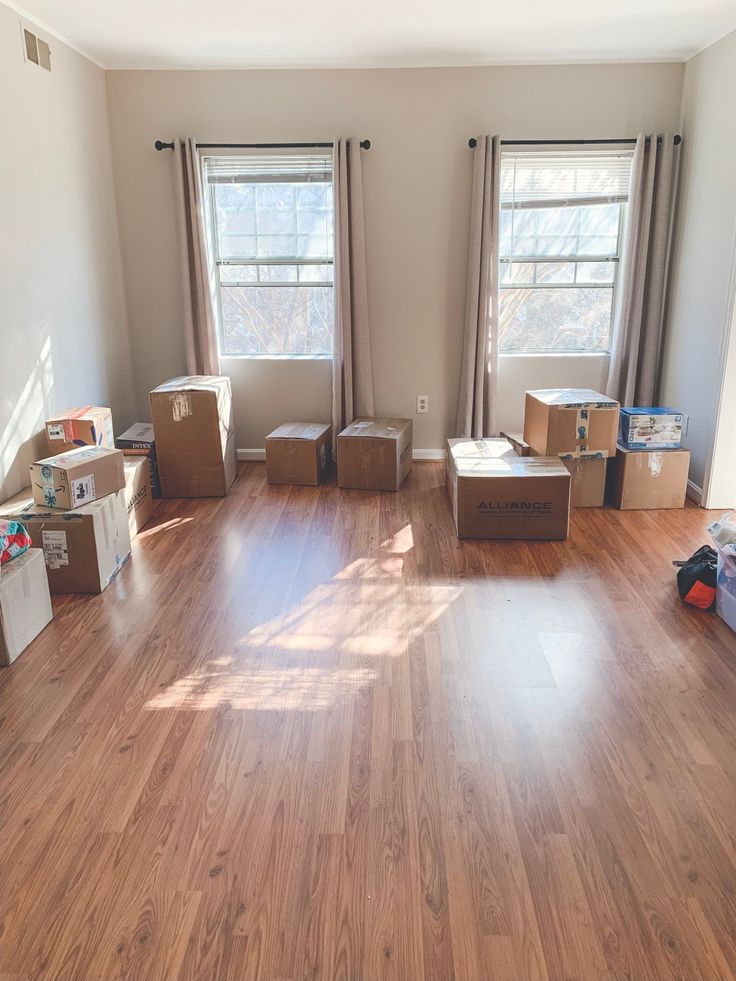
(14,540)
(650,428)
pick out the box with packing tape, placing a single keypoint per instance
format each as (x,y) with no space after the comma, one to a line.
(88,426)
(650,428)
(570,422)
(195,439)
(72,479)
(83,548)
(648,479)
(374,454)
(588,480)
(25,604)
(139,440)
(494,493)
(298,453)
(138,494)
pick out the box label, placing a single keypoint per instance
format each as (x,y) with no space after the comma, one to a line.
(55,430)
(83,490)
(55,551)
(181,405)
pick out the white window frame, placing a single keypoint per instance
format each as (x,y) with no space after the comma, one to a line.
(566,259)
(217,263)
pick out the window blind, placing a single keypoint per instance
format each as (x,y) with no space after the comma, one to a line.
(303,168)
(564,179)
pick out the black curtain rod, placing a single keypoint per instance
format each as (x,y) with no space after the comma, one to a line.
(160,145)
(472,142)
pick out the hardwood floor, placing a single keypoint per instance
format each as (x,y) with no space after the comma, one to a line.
(309,734)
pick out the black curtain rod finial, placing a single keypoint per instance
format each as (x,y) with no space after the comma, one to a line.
(472,143)
(365,144)
(160,145)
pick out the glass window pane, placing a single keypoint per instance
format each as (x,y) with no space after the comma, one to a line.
(517,272)
(277,320)
(315,274)
(596,272)
(566,319)
(555,272)
(238,274)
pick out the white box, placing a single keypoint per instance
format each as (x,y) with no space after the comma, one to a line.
(25,603)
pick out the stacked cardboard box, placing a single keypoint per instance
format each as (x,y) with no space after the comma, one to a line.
(87,426)
(75,510)
(579,426)
(650,468)
(139,440)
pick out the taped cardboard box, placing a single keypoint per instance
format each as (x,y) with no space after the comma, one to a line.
(494,493)
(195,440)
(138,495)
(298,453)
(650,428)
(84,548)
(139,440)
(374,454)
(570,422)
(587,481)
(648,479)
(90,425)
(77,477)
(25,604)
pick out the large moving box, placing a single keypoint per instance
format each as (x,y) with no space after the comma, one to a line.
(650,428)
(88,426)
(570,422)
(139,440)
(72,479)
(648,479)
(83,548)
(138,494)
(588,481)
(195,440)
(374,454)
(25,604)
(298,453)
(496,494)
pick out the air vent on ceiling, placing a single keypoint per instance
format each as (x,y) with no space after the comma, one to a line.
(36,50)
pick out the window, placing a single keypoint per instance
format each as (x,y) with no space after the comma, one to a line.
(562,217)
(271,229)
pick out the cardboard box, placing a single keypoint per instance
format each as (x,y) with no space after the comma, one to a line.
(77,477)
(374,454)
(88,426)
(140,441)
(25,604)
(650,428)
(648,479)
(298,453)
(570,422)
(517,441)
(84,548)
(587,481)
(495,493)
(138,495)
(195,440)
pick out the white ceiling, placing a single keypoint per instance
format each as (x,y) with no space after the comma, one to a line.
(379,33)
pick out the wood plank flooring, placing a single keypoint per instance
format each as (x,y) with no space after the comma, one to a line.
(307,734)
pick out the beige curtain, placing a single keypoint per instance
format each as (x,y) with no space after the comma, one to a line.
(200,325)
(637,322)
(476,413)
(352,370)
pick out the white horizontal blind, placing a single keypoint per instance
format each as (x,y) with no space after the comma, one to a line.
(564,179)
(303,168)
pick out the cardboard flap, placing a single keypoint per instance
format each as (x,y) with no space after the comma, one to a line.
(300,430)
(378,428)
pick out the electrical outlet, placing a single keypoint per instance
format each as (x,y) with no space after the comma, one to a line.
(422,404)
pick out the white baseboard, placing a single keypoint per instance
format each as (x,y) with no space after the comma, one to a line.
(694,492)
(254,455)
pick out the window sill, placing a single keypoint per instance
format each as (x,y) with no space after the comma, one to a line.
(554,354)
(275,357)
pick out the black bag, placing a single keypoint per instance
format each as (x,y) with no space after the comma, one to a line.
(696,578)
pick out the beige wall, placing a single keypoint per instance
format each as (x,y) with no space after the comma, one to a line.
(63,333)
(417,179)
(699,331)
